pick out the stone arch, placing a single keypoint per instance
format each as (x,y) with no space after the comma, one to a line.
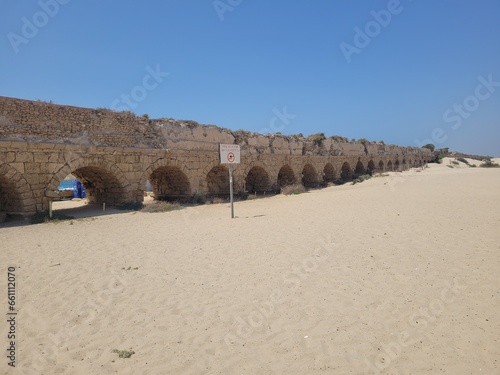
(257,180)
(164,166)
(389,166)
(396,166)
(410,164)
(16,196)
(286,176)
(328,173)
(360,169)
(170,183)
(371,167)
(218,180)
(380,166)
(103,181)
(346,172)
(309,176)
(404,165)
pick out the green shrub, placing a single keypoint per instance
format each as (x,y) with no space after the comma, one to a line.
(489,164)
(463,160)
(361,178)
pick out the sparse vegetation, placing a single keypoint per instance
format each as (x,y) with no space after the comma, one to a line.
(463,160)
(339,139)
(430,146)
(43,217)
(124,353)
(130,206)
(161,206)
(293,189)
(361,178)
(198,198)
(454,162)
(218,200)
(317,138)
(489,164)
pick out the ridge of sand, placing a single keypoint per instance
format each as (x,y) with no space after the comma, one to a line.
(395,275)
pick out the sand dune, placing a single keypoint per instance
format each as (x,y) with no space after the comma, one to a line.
(395,275)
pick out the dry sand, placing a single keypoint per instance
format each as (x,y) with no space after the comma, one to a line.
(396,275)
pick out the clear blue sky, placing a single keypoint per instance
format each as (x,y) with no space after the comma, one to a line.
(238,65)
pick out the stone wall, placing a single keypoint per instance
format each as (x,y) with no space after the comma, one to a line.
(115,153)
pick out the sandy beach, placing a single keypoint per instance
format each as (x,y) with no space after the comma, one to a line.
(395,275)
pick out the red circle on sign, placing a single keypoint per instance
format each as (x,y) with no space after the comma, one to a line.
(230,157)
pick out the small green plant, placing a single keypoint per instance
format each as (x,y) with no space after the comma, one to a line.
(450,166)
(455,162)
(293,189)
(146,116)
(463,160)
(124,353)
(361,178)
(161,207)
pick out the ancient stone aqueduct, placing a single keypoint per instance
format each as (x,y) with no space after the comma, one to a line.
(115,153)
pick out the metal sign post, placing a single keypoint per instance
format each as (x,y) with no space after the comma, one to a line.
(231,190)
(230,154)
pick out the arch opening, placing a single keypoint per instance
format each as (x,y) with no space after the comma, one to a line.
(9,199)
(380,166)
(170,184)
(371,167)
(100,185)
(257,181)
(328,173)
(286,176)
(346,173)
(218,181)
(396,166)
(360,169)
(309,176)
